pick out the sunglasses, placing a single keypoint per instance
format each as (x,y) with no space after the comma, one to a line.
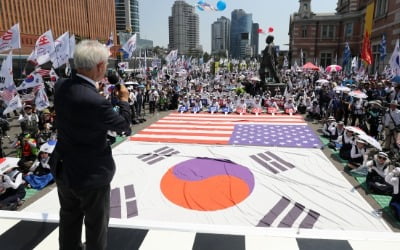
(381,157)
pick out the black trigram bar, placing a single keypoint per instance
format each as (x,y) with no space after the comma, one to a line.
(129,199)
(272,162)
(288,220)
(158,155)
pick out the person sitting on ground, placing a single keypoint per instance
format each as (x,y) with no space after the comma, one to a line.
(184,105)
(214,106)
(257,105)
(39,175)
(27,152)
(289,107)
(241,108)
(197,105)
(45,118)
(357,154)
(272,106)
(378,169)
(339,130)
(315,111)
(12,189)
(229,106)
(329,127)
(347,141)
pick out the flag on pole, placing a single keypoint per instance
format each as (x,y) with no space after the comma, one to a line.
(6,72)
(346,54)
(110,41)
(41,101)
(11,39)
(72,46)
(44,47)
(354,63)
(172,56)
(382,48)
(395,60)
(130,46)
(61,52)
(301,57)
(14,104)
(31,81)
(366,51)
(42,72)
(53,77)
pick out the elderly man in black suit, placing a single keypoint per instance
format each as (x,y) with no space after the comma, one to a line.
(82,161)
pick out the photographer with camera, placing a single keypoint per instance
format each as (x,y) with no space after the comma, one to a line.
(392,126)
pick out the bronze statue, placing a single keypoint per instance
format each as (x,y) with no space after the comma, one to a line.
(269,61)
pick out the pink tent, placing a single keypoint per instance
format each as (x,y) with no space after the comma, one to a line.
(310,66)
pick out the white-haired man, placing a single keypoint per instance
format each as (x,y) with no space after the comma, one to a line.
(82,162)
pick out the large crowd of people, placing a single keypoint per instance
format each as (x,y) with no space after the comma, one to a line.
(348,107)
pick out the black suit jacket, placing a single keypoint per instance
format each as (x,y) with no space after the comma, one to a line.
(82,158)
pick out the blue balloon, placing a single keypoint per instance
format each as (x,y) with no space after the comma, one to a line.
(221,5)
(201,2)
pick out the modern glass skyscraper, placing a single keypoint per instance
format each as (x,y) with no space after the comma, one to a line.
(184,29)
(255,38)
(241,27)
(220,36)
(127,16)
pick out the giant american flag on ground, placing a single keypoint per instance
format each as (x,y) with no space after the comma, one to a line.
(263,130)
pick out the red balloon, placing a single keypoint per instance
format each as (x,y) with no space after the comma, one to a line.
(260,31)
(270,29)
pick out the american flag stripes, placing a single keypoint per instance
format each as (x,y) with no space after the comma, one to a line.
(263,130)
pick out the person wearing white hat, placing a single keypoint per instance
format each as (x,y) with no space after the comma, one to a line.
(391,123)
(347,141)
(357,153)
(329,127)
(378,169)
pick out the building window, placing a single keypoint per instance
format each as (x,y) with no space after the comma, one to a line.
(348,30)
(328,31)
(304,31)
(381,8)
(326,59)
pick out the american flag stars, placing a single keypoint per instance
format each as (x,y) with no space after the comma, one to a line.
(275,135)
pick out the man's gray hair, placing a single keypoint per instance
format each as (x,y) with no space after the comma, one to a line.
(89,53)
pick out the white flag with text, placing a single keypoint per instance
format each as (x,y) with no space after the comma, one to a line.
(14,104)
(6,72)
(44,47)
(130,46)
(61,52)
(11,39)
(41,101)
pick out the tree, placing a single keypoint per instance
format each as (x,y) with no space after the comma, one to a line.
(206,57)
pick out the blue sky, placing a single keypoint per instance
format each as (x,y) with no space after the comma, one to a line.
(268,13)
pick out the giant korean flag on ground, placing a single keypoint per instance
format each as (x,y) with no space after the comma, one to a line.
(190,186)
(194,173)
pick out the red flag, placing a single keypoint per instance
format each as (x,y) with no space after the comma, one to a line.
(366,51)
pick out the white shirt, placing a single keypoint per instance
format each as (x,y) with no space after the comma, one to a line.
(8,180)
(396,117)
